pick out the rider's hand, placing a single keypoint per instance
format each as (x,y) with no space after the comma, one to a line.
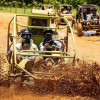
(46,46)
(18,57)
(21,48)
(63,45)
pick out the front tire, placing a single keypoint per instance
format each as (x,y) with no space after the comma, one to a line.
(4,69)
(79,29)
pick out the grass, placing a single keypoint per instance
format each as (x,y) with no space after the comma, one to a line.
(21,10)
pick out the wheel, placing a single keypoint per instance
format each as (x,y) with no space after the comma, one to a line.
(79,29)
(4,73)
(4,69)
(75,26)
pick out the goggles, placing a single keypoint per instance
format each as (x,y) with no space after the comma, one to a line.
(48,35)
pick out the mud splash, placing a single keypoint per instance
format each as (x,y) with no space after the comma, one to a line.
(83,80)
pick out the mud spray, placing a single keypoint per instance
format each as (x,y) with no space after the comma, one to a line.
(82,80)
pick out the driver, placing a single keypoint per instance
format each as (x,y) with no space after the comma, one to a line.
(49,44)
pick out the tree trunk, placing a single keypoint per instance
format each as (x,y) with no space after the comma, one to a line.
(62,1)
(16,9)
(10,9)
(23,3)
(24,9)
(33,3)
(6,8)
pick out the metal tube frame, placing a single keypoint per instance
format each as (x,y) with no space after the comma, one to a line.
(64,54)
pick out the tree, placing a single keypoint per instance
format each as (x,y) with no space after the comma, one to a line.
(29,5)
(6,4)
(15,3)
(10,5)
(19,4)
(24,4)
(2,3)
(35,3)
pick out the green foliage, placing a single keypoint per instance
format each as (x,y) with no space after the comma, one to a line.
(19,4)
(38,3)
(14,3)
(35,3)
(6,4)
(29,5)
(24,4)
(2,2)
(26,7)
(9,3)
(45,1)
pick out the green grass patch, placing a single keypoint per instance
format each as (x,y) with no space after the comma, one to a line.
(15,10)
(21,10)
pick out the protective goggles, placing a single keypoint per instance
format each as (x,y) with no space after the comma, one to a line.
(48,35)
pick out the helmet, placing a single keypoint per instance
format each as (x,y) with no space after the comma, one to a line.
(47,35)
(62,7)
(26,36)
(26,32)
(94,10)
(84,10)
(91,9)
(46,31)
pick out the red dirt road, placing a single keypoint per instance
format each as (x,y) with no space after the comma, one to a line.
(88,49)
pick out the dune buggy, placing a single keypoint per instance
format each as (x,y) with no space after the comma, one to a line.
(87,18)
(36,24)
(66,11)
(45,9)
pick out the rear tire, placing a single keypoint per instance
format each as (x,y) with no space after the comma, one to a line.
(79,29)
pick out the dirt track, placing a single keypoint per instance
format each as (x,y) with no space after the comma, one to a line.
(87,49)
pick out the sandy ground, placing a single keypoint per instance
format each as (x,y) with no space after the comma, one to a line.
(87,49)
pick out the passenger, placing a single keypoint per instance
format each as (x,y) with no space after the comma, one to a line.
(69,11)
(61,9)
(91,11)
(84,14)
(64,11)
(94,14)
(26,44)
(90,14)
(50,9)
